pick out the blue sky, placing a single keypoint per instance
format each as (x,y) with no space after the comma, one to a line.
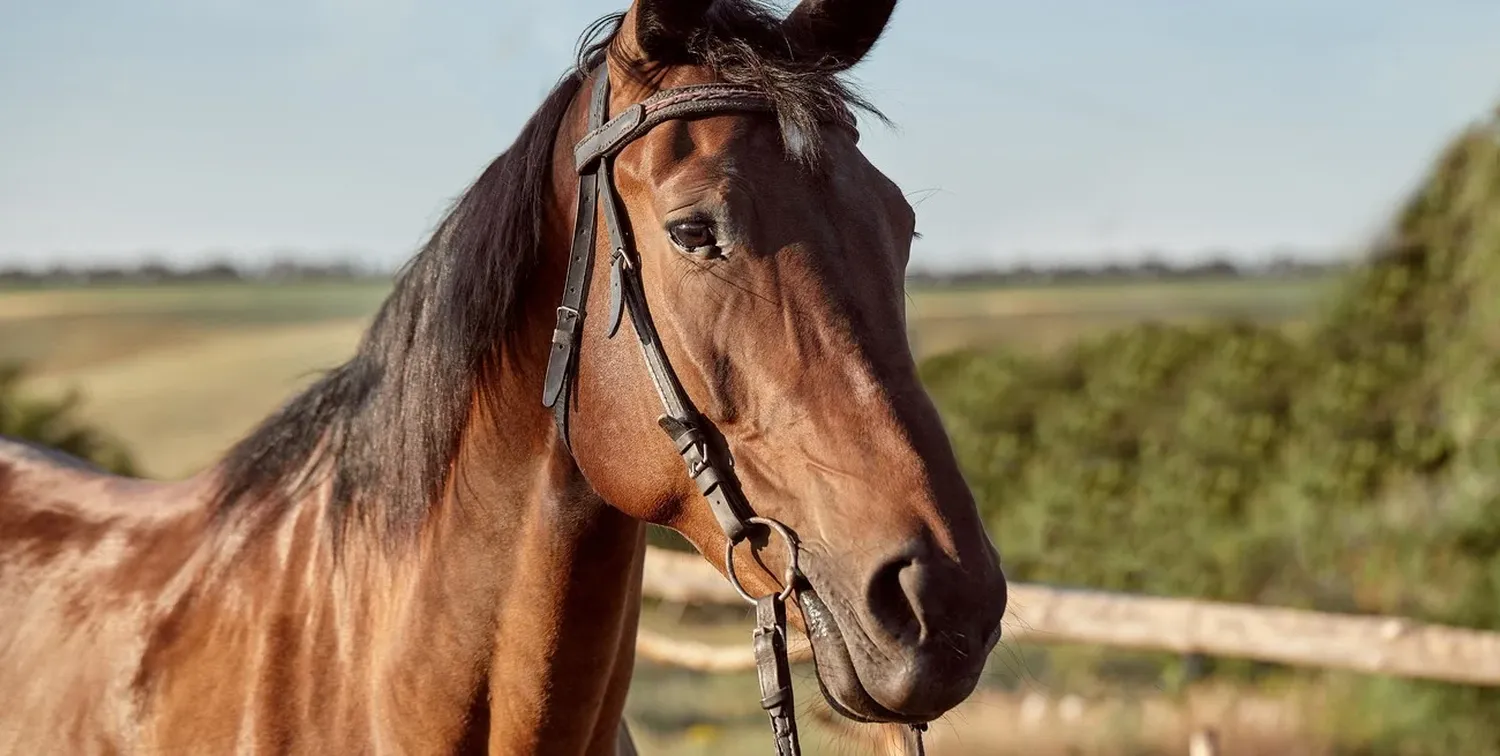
(1025,131)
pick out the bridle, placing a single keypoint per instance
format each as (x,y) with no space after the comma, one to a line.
(707,464)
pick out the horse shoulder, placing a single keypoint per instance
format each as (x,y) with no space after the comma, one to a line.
(33,491)
(49,685)
(48,500)
(82,553)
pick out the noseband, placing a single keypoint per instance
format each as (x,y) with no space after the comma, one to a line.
(709,466)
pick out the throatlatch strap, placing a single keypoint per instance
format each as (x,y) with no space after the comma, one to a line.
(557,389)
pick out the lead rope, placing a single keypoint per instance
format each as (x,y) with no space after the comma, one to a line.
(768,640)
(775,673)
(715,479)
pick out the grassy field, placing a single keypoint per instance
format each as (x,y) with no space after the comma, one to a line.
(180,372)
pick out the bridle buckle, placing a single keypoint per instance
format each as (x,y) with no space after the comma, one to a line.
(622,257)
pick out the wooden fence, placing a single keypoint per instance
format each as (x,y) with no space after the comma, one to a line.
(1040,614)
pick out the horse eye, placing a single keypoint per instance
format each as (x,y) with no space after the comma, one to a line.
(693,236)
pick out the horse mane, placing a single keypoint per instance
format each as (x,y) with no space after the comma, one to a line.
(385,426)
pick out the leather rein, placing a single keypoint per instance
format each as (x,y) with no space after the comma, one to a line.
(711,467)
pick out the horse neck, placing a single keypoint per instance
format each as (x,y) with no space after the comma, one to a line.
(564,569)
(523,547)
(509,617)
(568,594)
(523,593)
(559,567)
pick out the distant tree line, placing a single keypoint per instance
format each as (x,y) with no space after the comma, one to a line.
(1147,269)
(219,270)
(294,269)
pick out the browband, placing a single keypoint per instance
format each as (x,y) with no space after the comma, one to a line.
(666,105)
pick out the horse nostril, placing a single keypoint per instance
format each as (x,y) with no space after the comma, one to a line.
(929,625)
(895,597)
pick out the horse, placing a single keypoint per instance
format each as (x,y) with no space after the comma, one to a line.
(413,555)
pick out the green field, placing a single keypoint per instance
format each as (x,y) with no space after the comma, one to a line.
(179,372)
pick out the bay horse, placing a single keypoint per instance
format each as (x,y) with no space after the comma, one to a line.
(414,556)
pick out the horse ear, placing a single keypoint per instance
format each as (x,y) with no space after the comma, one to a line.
(838,32)
(661,28)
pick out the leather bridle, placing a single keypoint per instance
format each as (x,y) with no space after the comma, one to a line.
(707,464)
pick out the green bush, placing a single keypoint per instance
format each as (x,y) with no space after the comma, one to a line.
(53,423)
(1354,469)
(1092,468)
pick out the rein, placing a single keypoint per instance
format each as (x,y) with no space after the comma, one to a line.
(709,466)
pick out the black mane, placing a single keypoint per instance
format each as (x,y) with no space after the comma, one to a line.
(385,426)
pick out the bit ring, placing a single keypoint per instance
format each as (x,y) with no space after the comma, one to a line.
(791,566)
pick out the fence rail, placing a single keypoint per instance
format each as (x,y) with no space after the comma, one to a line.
(1041,614)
